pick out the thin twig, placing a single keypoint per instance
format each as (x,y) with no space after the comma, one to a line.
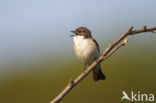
(112,47)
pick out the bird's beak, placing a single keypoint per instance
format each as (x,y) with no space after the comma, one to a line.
(72,31)
(73,34)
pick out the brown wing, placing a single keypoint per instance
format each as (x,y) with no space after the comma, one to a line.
(96,44)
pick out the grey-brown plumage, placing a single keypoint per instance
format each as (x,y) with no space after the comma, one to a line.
(87,50)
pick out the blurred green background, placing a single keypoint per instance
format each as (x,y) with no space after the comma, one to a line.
(37,58)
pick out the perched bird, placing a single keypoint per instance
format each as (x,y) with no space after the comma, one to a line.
(87,50)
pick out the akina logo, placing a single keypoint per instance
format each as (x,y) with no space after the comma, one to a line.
(138,96)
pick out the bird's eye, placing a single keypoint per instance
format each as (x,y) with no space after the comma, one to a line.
(79,31)
(84,31)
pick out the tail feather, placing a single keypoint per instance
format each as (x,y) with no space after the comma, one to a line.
(98,74)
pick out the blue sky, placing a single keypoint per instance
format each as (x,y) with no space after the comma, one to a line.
(35,27)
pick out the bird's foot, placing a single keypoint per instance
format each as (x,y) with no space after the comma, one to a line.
(85,71)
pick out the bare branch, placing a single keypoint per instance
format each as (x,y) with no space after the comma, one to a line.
(112,47)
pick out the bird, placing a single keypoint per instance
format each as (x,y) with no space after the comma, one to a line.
(87,50)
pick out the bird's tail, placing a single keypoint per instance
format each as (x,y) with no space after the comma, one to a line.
(98,74)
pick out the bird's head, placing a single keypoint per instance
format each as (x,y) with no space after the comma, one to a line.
(82,31)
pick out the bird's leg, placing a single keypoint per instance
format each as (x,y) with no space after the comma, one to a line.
(84,68)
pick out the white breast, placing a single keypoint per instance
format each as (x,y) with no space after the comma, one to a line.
(85,49)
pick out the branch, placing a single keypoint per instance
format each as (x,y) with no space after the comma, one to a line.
(112,47)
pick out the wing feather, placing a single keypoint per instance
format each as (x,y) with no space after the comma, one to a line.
(96,44)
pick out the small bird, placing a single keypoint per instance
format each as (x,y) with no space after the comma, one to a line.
(87,50)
